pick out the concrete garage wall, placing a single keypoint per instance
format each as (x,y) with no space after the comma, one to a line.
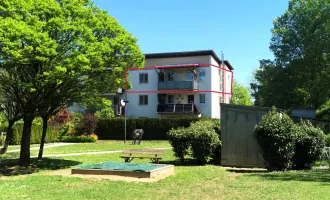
(239,148)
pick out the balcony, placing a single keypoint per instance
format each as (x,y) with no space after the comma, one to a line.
(177,109)
(177,85)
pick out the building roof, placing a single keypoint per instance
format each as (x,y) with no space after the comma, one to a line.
(188,54)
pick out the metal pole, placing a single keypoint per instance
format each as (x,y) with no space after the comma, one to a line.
(125,125)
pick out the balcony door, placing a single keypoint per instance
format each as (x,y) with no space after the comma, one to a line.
(191,99)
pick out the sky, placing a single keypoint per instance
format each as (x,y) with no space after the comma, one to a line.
(241,29)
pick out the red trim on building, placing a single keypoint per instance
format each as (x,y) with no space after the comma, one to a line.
(173,67)
(172,91)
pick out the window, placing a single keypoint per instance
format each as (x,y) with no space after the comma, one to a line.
(202,75)
(221,80)
(170,99)
(115,100)
(143,100)
(143,78)
(190,76)
(202,98)
(170,76)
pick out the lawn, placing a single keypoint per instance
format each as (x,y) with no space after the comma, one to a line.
(189,182)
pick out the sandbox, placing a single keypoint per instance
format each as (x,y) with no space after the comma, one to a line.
(135,170)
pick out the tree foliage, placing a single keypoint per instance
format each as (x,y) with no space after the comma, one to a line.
(241,95)
(299,74)
(65,47)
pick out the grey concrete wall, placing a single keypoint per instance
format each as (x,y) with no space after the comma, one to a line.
(239,148)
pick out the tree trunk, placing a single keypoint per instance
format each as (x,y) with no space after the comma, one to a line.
(43,137)
(24,159)
(8,137)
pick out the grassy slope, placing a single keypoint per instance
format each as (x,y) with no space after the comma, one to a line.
(189,182)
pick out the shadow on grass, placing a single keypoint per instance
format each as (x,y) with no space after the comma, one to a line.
(249,171)
(305,175)
(9,167)
(187,162)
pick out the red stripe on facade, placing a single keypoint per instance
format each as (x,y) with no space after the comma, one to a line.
(173,91)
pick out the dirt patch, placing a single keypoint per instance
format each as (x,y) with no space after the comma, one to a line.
(67,173)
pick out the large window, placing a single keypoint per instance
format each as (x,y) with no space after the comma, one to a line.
(201,98)
(190,76)
(170,99)
(202,75)
(143,78)
(143,100)
(170,76)
(115,100)
(221,80)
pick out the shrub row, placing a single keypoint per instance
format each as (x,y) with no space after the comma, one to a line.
(51,136)
(200,138)
(154,128)
(286,145)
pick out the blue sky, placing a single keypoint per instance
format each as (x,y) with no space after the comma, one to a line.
(239,28)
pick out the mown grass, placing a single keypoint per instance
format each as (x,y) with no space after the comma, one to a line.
(189,182)
(102,145)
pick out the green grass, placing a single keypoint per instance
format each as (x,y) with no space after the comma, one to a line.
(106,145)
(189,182)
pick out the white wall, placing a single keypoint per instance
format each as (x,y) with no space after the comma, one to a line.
(210,108)
(178,60)
(215,81)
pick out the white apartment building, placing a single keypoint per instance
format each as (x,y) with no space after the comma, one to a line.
(177,84)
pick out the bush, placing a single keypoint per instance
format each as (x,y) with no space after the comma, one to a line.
(179,140)
(327,140)
(273,135)
(77,139)
(154,128)
(105,113)
(36,132)
(204,141)
(308,145)
(88,123)
(200,137)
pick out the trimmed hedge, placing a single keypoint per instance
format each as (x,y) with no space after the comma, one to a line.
(77,139)
(51,136)
(154,128)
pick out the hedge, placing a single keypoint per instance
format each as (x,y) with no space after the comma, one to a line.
(51,136)
(154,128)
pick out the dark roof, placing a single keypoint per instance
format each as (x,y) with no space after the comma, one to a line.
(188,54)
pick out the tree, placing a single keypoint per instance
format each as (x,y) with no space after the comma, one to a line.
(48,46)
(241,95)
(301,46)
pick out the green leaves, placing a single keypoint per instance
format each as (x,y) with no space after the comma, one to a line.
(301,45)
(241,95)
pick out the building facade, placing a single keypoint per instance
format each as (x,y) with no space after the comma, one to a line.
(177,84)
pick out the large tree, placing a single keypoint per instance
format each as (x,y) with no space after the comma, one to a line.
(301,46)
(53,45)
(241,95)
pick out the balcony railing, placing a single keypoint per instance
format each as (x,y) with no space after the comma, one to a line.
(177,85)
(178,109)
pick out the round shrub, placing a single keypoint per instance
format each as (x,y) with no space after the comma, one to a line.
(327,140)
(308,145)
(204,141)
(179,140)
(273,135)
